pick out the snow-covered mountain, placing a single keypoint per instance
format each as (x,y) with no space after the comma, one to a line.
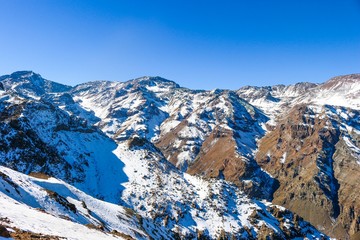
(183,124)
(169,162)
(313,150)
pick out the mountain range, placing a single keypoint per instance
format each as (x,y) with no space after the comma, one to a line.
(148,159)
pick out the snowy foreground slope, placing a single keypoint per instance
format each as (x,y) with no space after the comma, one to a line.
(148,159)
(53,207)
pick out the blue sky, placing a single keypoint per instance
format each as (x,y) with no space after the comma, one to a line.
(199,44)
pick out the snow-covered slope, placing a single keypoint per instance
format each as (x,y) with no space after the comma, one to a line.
(276,99)
(39,137)
(168,205)
(53,207)
(189,205)
(126,108)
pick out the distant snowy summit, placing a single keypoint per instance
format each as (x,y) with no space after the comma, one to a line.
(274,100)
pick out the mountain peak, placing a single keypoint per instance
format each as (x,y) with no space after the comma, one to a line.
(30,84)
(20,75)
(153,81)
(24,74)
(341,81)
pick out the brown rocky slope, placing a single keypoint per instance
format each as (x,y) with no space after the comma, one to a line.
(317,170)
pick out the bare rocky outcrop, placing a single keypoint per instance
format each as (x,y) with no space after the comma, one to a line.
(20,139)
(4,232)
(307,155)
(218,158)
(346,170)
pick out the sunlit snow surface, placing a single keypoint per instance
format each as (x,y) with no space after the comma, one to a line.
(22,205)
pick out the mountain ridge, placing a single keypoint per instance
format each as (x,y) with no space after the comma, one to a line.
(23,74)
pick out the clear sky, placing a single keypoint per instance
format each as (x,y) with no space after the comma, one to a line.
(199,44)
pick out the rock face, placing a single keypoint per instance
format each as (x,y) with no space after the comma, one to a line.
(298,153)
(297,146)
(21,147)
(314,155)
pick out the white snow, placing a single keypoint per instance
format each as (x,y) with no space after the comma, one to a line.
(283,158)
(30,219)
(21,204)
(355,150)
